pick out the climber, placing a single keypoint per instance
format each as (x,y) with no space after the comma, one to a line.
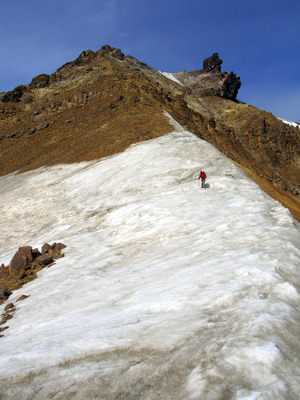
(202,176)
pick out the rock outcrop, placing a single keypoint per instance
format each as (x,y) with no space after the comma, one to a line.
(213,63)
(22,269)
(14,95)
(210,81)
(230,86)
(40,81)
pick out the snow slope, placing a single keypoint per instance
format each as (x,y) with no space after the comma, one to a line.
(294,124)
(170,76)
(166,290)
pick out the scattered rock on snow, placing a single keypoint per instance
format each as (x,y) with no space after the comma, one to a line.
(22,269)
(23,297)
(25,264)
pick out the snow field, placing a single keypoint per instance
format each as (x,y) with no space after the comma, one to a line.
(166,290)
(170,76)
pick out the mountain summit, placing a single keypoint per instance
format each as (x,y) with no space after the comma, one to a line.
(103,101)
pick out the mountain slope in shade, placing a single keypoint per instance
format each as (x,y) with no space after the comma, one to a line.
(166,290)
(103,101)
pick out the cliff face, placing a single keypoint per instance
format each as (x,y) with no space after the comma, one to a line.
(104,101)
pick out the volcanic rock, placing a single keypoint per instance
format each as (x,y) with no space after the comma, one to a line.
(9,306)
(45,248)
(44,259)
(5,318)
(14,95)
(113,52)
(4,294)
(230,86)
(40,81)
(21,261)
(24,266)
(212,64)
(35,253)
(23,297)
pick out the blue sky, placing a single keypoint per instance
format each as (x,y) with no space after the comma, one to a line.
(257,39)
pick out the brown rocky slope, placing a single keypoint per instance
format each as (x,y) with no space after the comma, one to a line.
(104,101)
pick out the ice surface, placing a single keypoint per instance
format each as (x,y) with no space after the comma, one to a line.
(166,290)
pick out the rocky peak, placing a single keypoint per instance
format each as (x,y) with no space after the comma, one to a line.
(212,64)
(112,51)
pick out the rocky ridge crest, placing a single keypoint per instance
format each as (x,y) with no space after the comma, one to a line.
(210,81)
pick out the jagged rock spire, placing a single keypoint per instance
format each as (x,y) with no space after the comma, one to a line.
(213,63)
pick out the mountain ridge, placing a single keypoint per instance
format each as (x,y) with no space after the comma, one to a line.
(103,101)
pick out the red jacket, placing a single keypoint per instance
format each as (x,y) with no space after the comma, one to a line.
(202,175)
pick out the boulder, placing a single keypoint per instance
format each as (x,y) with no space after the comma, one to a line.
(4,294)
(44,259)
(5,318)
(35,253)
(9,306)
(21,260)
(42,126)
(54,250)
(23,297)
(45,248)
(58,246)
